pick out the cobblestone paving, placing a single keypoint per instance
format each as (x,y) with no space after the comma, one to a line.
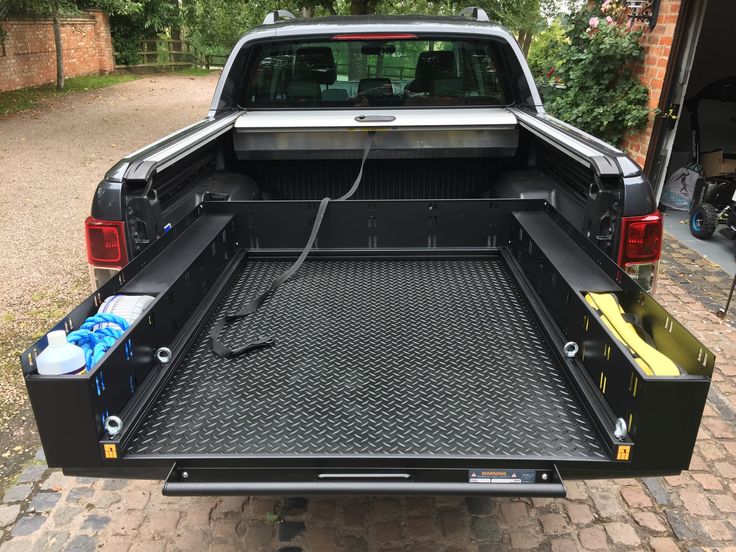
(693,511)
(698,276)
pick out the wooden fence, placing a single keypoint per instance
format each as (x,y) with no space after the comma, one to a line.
(172,54)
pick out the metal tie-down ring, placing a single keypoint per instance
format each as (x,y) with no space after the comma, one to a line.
(113,425)
(163,355)
(621,431)
(571,349)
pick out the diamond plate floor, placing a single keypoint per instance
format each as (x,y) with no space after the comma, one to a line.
(374,357)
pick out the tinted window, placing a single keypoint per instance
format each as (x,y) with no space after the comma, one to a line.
(378,73)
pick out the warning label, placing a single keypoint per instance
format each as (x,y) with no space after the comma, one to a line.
(502,476)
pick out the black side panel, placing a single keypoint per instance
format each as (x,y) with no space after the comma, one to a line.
(68,431)
(575,267)
(71,410)
(661,414)
(375,225)
(161,274)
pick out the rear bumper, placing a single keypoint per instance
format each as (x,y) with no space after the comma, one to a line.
(180,479)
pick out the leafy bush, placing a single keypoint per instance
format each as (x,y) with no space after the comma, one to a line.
(545,54)
(133,21)
(125,40)
(594,86)
(215,26)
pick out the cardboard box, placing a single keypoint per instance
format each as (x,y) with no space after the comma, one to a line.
(717,162)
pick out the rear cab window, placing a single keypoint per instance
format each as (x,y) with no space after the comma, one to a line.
(402,71)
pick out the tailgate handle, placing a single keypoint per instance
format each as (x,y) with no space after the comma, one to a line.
(375,118)
(353,476)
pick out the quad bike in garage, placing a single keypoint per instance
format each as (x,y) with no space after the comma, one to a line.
(714,203)
(714,197)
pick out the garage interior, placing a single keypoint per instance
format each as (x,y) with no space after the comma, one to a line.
(711,62)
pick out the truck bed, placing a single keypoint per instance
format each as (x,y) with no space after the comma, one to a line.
(439,357)
(422,348)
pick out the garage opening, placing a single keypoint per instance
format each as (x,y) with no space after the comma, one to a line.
(705,132)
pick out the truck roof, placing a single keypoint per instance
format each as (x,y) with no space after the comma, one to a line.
(379,19)
(379,23)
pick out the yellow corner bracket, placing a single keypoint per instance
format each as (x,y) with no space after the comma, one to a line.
(110,450)
(623,452)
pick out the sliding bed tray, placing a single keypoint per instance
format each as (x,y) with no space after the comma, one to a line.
(424,347)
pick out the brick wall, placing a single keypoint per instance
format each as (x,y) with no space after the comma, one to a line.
(28,56)
(657,45)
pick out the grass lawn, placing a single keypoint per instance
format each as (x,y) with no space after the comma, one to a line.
(196,72)
(28,98)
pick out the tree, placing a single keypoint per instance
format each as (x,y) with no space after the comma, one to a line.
(216,25)
(4,9)
(44,8)
(521,16)
(58,46)
(545,55)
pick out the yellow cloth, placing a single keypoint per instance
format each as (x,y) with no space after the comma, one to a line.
(651,361)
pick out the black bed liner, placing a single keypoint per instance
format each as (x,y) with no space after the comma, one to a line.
(421,343)
(374,357)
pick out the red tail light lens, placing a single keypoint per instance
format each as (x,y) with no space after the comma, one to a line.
(641,239)
(640,247)
(105,242)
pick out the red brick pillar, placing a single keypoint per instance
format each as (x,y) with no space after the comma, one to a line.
(103,42)
(657,46)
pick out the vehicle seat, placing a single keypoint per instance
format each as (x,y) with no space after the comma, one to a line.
(432,67)
(303,90)
(447,87)
(312,67)
(335,95)
(375,87)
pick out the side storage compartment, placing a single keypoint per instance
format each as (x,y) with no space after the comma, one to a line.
(656,394)
(177,270)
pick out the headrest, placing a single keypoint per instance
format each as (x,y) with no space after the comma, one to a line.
(375,87)
(435,65)
(315,65)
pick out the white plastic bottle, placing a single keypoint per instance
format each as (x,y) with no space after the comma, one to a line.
(60,357)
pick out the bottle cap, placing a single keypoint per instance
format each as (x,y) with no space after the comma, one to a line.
(57,338)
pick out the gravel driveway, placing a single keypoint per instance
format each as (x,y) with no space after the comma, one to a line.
(50,162)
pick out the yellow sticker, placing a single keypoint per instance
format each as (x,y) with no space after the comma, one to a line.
(111,451)
(624,451)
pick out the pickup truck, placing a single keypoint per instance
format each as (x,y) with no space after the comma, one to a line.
(438,326)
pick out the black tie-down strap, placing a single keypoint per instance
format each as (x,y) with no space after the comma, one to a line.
(252,306)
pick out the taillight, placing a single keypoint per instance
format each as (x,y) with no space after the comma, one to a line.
(640,247)
(105,242)
(375,36)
